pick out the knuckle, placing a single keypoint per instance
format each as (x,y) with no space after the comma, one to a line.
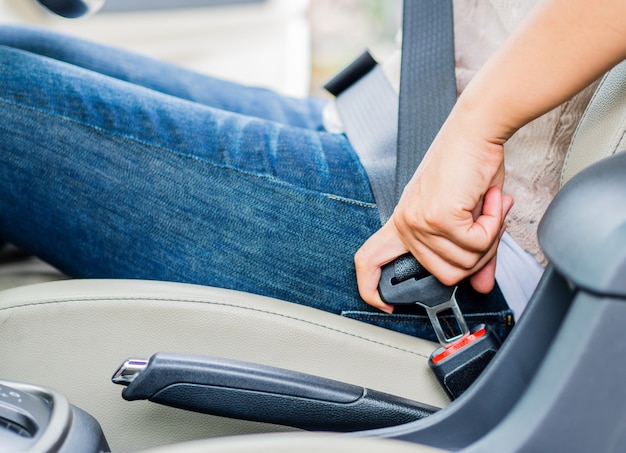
(452,277)
(432,220)
(449,280)
(417,221)
(468,262)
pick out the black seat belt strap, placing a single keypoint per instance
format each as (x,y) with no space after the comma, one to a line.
(427,95)
(391,152)
(427,81)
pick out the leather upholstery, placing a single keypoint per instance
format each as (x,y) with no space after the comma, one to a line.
(72,335)
(301,443)
(600,132)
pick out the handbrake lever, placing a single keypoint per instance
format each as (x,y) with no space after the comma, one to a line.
(249,391)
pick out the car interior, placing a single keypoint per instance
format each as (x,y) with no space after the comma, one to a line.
(202,369)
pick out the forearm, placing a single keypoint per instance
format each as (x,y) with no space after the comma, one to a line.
(560,48)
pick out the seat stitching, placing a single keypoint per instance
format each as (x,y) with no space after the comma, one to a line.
(119,299)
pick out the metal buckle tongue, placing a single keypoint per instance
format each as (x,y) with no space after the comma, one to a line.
(424,290)
(433,314)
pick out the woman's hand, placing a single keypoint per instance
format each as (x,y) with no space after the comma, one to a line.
(450,216)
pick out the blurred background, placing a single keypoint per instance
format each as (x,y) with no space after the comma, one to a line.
(292,46)
(342,29)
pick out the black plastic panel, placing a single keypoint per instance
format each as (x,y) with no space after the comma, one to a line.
(583,233)
(490,398)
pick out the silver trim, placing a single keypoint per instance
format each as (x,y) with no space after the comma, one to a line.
(456,311)
(128,371)
(55,432)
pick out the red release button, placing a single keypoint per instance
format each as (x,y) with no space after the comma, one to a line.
(460,344)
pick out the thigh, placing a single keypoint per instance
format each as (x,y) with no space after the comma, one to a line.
(165,78)
(103,178)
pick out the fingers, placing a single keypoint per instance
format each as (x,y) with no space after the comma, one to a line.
(381,248)
(457,248)
(483,281)
(461,258)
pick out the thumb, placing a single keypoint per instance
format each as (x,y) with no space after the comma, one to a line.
(381,248)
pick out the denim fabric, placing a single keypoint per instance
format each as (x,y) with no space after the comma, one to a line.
(116,165)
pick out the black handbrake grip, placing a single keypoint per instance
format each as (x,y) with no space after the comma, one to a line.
(249,391)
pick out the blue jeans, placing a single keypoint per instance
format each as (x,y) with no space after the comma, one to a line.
(118,166)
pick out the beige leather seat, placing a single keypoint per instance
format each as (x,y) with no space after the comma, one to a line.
(71,335)
(301,443)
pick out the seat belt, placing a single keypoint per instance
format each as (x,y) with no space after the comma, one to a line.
(391,145)
(427,82)
(427,95)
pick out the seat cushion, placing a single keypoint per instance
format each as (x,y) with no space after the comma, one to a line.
(18,268)
(72,335)
(301,443)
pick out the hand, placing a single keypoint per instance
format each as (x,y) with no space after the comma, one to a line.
(450,216)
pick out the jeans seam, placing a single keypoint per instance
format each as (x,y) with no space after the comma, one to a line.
(394,321)
(221,304)
(188,156)
(501,318)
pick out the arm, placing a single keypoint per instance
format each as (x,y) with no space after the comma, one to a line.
(452,212)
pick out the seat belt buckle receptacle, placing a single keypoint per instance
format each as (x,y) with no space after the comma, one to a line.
(463,354)
(459,365)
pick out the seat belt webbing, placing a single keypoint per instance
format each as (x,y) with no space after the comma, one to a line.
(391,135)
(369,113)
(427,95)
(427,82)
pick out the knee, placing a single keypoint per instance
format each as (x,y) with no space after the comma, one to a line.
(32,39)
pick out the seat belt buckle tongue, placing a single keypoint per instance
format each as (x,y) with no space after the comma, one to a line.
(417,286)
(459,328)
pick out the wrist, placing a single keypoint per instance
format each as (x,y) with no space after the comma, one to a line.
(487,121)
(483,135)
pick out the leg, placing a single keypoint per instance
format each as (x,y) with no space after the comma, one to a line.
(165,78)
(106,179)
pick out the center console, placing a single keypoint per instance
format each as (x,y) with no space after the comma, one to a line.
(37,419)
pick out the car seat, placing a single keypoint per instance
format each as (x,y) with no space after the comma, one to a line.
(560,372)
(71,335)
